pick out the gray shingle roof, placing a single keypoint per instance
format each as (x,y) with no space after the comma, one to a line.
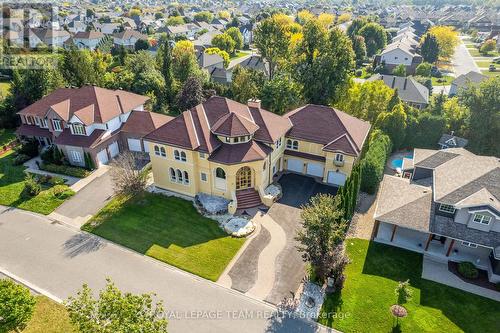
(452,141)
(409,89)
(447,227)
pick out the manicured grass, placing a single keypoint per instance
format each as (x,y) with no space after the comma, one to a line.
(491,74)
(372,276)
(12,185)
(49,317)
(475,53)
(239,54)
(445,80)
(6,136)
(168,229)
(484,63)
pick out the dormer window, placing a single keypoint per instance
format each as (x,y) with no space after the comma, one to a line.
(78,129)
(446,208)
(44,123)
(56,123)
(339,158)
(482,219)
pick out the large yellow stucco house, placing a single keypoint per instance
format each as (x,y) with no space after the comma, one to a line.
(228,149)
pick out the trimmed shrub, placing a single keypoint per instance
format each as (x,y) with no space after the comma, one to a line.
(56,181)
(373,164)
(31,186)
(65,170)
(62,192)
(29,147)
(468,270)
(358,72)
(20,159)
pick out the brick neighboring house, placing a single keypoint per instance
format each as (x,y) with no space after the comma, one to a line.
(448,209)
(232,150)
(89,119)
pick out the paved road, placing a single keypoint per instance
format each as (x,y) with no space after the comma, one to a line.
(463,62)
(59,259)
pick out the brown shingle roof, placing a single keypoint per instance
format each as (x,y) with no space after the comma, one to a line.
(330,127)
(89,103)
(89,35)
(238,153)
(233,125)
(142,123)
(32,130)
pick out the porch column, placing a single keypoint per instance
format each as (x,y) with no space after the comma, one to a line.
(393,232)
(428,242)
(450,248)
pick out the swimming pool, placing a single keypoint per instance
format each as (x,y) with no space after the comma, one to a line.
(398,162)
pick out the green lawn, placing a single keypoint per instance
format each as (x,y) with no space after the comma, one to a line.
(484,63)
(442,81)
(12,185)
(239,54)
(372,275)
(6,136)
(491,74)
(168,229)
(475,53)
(49,317)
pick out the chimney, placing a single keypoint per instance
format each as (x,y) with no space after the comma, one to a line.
(452,132)
(254,103)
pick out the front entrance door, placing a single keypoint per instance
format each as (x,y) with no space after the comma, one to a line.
(244,178)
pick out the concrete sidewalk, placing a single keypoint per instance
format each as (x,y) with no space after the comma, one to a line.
(59,260)
(438,272)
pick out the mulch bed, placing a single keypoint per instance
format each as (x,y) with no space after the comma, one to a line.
(481,281)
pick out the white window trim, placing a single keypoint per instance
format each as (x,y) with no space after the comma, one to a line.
(442,208)
(483,218)
(469,244)
(79,126)
(339,157)
(59,127)
(44,123)
(201,177)
(76,156)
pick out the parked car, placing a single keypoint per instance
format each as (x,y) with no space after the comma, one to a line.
(435,72)
(496,60)
(492,68)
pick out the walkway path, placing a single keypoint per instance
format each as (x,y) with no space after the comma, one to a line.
(438,272)
(59,260)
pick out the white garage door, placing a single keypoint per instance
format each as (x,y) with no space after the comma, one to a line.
(315,169)
(114,149)
(134,144)
(294,165)
(336,178)
(102,157)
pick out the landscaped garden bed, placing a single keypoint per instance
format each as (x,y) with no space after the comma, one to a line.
(65,170)
(371,277)
(12,189)
(169,229)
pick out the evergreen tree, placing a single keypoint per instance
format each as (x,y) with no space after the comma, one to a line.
(166,69)
(393,101)
(429,48)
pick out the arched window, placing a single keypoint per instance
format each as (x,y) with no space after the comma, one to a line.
(172,175)
(176,155)
(339,157)
(179,176)
(220,173)
(289,144)
(186,177)
(163,152)
(157,150)
(295,145)
(183,156)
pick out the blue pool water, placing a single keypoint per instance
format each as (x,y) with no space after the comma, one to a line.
(398,162)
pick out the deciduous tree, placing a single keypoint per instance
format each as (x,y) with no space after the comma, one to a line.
(191,94)
(280,94)
(272,41)
(447,39)
(488,46)
(393,124)
(127,178)
(204,16)
(115,311)
(375,37)
(246,84)
(16,306)
(236,35)
(224,42)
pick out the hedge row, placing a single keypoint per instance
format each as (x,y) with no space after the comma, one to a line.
(65,170)
(349,192)
(373,163)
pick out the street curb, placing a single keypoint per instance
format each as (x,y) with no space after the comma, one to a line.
(29,285)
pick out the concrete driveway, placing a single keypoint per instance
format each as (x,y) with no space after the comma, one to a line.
(86,202)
